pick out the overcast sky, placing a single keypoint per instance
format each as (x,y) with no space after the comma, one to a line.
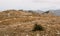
(30,4)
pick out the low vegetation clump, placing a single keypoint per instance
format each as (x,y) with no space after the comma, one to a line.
(38,28)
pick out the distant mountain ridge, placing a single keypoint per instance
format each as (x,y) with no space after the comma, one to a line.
(55,12)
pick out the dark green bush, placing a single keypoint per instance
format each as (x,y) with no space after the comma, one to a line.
(38,28)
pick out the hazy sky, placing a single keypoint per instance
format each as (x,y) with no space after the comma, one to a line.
(30,4)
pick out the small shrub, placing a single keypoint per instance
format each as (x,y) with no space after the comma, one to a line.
(38,28)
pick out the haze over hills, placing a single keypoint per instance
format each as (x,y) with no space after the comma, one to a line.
(56,12)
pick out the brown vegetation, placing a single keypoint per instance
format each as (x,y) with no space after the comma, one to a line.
(19,22)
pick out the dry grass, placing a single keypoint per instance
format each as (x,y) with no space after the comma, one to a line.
(23,24)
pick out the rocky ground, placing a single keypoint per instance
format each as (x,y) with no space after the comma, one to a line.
(21,23)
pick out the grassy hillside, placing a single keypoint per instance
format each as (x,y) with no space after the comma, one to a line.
(20,23)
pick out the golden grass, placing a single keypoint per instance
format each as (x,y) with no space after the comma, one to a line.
(23,24)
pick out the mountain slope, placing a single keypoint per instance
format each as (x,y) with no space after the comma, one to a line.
(17,22)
